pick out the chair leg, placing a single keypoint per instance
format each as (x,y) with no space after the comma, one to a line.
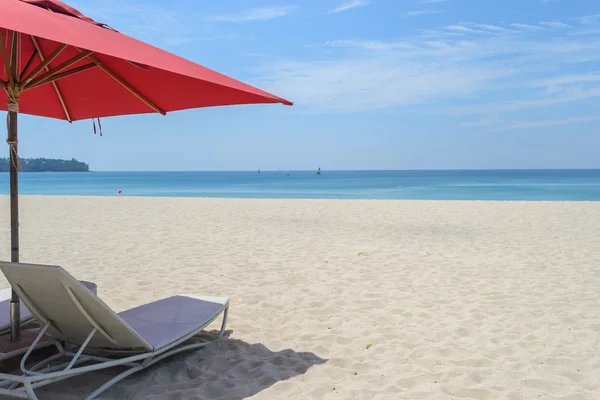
(29,390)
(224,324)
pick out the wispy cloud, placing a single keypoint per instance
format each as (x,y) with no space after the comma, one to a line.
(176,40)
(555,24)
(526,26)
(350,4)
(460,28)
(563,97)
(490,27)
(155,24)
(490,120)
(494,123)
(462,62)
(360,84)
(418,13)
(511,126)
(566,80)
(477,28)
(370,44)
(255,14)
(590,19)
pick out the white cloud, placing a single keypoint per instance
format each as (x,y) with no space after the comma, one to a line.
(490,27)
(490,120)
(255,14)
(476,28)
(460,28)
(370,44)
(155,24)
(544,123)
(590,19)
(493,123)
(526,26)
(585,32)
(563,97)
(555,24)
(361,84)
(418,13)
(349,4)
(566,80)
(176,40)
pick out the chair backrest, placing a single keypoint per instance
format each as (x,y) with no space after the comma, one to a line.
(52,294)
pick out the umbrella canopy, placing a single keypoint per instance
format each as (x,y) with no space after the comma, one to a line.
(100,72)
(57,63)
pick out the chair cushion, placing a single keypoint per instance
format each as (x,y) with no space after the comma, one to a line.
(162,322)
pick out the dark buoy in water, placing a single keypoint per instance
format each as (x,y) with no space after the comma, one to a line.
(120,191)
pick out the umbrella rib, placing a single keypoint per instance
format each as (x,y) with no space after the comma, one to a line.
(45,77)
(3,84)
(44,64)
(4,56)
(63,75)
(14,54)
(126,85)
(38,50)
(28,65)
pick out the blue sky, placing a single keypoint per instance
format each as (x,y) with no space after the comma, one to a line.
(377,84)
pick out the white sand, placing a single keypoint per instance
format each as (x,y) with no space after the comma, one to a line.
(459,300)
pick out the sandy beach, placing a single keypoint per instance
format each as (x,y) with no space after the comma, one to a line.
(339,299)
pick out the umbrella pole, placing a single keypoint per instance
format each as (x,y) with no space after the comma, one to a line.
(15,306)
(13,90)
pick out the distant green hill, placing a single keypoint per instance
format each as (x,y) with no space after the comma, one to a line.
(46,165)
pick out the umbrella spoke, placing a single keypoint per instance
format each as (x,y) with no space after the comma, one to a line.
(14,54)
(29,62)
(62,75)
(44,64)
(126,85)
(61,99)
(45,77)
(4,56)
(3,84)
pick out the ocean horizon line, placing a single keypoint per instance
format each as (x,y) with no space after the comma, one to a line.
(354,170)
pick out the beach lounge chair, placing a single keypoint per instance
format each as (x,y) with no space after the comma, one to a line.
(92,336)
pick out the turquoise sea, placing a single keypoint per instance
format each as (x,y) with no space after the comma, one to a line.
(438,185)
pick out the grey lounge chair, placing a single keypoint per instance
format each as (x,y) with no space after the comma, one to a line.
(94,334)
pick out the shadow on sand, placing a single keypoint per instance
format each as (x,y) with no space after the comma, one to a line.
(226,370)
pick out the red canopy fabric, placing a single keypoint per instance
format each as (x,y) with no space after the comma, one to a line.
(120,62)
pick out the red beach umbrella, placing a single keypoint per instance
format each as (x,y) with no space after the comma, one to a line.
(57,63)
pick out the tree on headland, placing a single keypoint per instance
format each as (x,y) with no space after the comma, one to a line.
(46,165)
